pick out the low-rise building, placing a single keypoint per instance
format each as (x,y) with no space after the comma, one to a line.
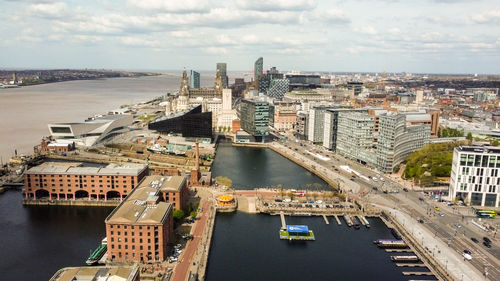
(73,180)
(173,189)
(474,175)
(140,229)
(98,273)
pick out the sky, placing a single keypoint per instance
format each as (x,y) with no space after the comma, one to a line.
(418,36)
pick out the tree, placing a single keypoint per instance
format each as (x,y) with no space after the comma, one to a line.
(224,181)
(469,136)
(178,214)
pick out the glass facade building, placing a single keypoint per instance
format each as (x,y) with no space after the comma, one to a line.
(254,116)
(222,69)
(194,80)
(474,175)
(191,124)
(258,69)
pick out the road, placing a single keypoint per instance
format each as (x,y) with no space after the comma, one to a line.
(181,270)
(457,238)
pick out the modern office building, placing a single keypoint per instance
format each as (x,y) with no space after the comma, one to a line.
(266,79)
(194,80)
(303,81)
(254,116)
(173,189)
(355,137)
(474,175)
(331,126)
(301,129)
(355,86)
(74,180)
(258,68)
(92,130)
(278,88)
(222,69)
(397,140)
(141,228)
(191,123)
(316,123)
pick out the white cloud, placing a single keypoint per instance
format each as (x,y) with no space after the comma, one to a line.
(332,16)
(492,16)
(173,6)
(55,9)
(215,50)
(276,5)
(368,30)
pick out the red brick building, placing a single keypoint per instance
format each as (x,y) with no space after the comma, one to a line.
(172,189)
(140,228)
(73,180)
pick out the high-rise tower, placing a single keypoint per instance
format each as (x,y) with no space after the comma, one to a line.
(258,68)
(222,69)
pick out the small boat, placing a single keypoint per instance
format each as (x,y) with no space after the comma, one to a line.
(98,253)
(390,243)
(405,258)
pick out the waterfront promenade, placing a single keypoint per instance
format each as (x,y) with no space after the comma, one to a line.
(181,272)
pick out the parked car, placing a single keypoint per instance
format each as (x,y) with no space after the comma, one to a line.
(486,244)
(487,240)
(474,240)
(405,189)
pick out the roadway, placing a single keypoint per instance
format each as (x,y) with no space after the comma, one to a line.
(444,227)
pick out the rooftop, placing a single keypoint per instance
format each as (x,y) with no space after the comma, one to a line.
(164,183)
(140,207)
(479,149)
(97,273)
(78,168)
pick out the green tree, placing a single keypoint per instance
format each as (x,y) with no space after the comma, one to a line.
(178,214)
(469,136)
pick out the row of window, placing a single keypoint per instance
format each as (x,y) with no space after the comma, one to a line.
(478,160)
(478,188)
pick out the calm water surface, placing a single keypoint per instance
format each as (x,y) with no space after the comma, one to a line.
(247,247)
(250,168)
(36,241)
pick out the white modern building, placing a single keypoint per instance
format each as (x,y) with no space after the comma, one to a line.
(91,131)
(474,175)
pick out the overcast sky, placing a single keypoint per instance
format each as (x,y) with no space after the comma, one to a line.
(430,36)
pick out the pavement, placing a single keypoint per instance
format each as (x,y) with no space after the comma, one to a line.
(181,271)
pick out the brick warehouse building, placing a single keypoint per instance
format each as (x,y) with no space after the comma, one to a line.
(173,189)
(140,229)
(74,180)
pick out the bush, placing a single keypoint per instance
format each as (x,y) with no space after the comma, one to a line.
(178,214)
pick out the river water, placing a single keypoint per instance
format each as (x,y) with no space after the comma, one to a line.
(251,168)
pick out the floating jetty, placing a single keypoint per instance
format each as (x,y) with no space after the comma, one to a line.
(301,214)
(348,220)
(390,243)
(364,221)
(417,273)
(411,258)
(337,219)
(411,265)
(326,219)
(297,232)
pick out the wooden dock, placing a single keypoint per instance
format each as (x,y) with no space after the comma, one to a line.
(326,219)
(418,273)
(399,250)
(283,222)
(337,219)
(411,265)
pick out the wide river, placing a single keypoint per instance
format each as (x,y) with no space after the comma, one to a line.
(26,111)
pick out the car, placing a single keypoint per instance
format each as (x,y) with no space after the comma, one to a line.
(487,240)
(421,199)
(375,179)
(441,214)
(382,179)
(319,201)
(457,225)
(486,244)
(474,240)
(436,208)
(375,188)
(405,189)
(420,220)
(467,255)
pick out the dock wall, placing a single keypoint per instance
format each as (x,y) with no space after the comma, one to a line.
(434,266)
(84,203)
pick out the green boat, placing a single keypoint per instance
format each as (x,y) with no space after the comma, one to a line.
(98,253)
